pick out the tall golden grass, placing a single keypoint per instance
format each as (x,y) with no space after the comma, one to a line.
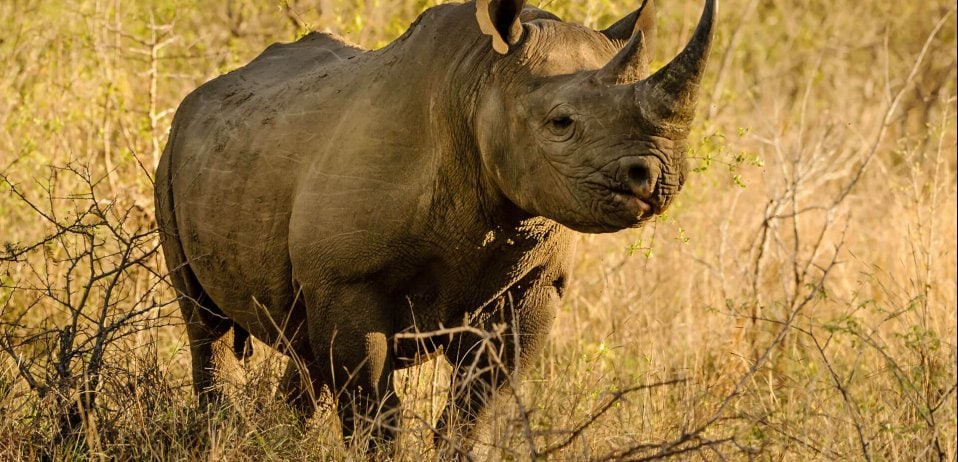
(797,303)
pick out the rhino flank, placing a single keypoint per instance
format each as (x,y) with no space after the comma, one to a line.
(325,198)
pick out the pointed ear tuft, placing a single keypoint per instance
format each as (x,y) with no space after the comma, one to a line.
(499,19)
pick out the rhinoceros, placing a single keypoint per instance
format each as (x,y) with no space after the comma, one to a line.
(363,209)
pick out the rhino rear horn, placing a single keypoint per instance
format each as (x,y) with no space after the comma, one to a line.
(667,98)
(632,61)
(642,19)
(500,20)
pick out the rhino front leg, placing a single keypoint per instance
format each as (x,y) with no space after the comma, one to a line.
(301,386)
(354,338)
(482,364)
(368,400)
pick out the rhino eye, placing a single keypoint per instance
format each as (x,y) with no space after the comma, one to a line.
(561,126)
(561,122)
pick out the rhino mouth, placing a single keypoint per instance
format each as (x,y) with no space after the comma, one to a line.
(632,207)
(632,202)
(617,207)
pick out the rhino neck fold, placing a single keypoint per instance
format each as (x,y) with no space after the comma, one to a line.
(447,75)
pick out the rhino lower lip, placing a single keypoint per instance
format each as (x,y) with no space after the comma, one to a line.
(633,203)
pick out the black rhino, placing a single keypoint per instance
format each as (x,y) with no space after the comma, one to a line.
(325,198)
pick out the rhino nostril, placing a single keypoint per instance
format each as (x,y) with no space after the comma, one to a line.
(641,175)
(638,174)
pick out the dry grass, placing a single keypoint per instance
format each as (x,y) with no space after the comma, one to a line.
(797,303)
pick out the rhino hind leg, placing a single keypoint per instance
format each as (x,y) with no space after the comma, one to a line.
(206,324)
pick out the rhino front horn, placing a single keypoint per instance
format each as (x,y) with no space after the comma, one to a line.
(667,98)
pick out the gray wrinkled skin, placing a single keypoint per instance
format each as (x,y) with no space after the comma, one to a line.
(324,198)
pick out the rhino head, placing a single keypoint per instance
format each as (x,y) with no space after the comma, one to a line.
(570,126)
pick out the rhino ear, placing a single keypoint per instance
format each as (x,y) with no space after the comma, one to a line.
(500,20)
(640,20)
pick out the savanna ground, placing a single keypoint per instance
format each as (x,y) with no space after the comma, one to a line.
(797,303)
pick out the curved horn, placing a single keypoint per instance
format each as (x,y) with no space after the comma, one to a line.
(641,19)
(631,63)
(667,98)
